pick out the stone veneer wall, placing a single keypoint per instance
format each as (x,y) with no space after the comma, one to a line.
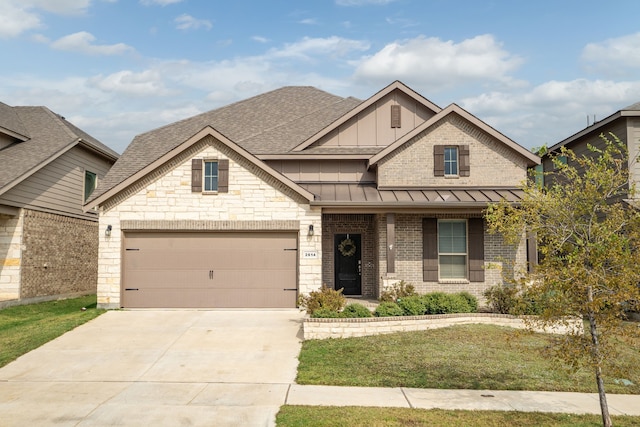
(10,256)
(59,256)
(318,328)
(165,196)
(500,258)
(362,224)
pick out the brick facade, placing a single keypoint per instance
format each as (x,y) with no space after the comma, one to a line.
(165,196)
(412,164)
(59,256)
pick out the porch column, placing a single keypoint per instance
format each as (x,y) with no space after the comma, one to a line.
(391,243)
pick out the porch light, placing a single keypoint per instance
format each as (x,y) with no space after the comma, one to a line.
(107,232)
(310,230)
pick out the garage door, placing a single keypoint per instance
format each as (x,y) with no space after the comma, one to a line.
(209,270)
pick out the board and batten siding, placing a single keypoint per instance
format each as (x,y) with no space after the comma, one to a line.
(324,170)
(59,186)
(633,144)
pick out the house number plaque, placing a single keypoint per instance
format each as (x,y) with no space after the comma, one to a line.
(309,254)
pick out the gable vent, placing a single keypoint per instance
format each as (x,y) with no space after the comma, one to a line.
(395,116)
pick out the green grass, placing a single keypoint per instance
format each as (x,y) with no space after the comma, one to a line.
(25,327)
(458,357)
(310,416)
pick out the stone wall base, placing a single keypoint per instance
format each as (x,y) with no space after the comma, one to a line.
(347,328)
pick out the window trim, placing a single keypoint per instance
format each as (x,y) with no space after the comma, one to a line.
(204,175)
(455,162)
(84,184)
(466,253)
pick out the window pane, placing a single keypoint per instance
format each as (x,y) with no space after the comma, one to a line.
(451,160)
(90,181)
(210,176)
(453,267)
(452,237)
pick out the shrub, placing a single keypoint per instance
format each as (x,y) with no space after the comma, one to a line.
(436,303)
(324,298)
(388,309)
(412,305)
(356,310)
(457,303)
(397,291)
(502,298)
(326,313)
(471,301)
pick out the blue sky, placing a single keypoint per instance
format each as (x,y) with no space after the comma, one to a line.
(535,70)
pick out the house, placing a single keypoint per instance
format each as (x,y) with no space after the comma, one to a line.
(48,168)
(257,202)
(624,124)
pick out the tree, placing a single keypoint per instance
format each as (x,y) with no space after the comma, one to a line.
(588,235)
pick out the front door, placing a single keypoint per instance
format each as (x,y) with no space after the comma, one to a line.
(348,263)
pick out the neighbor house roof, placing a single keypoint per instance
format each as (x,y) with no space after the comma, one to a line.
(43,137)
(271,123)
(632,110)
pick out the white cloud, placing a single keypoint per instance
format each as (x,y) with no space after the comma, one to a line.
(614,56)
(260,39)
(439,64)
(188,22)
(146,83)
(83,42)
(362,2)
(308,21)
(15,20)
(309,48)
(60,7)
(159,2)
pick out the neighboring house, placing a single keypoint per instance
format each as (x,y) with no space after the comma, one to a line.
(624,124)
(48,168)
(252,204)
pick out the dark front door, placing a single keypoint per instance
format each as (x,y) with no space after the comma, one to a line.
(348,263)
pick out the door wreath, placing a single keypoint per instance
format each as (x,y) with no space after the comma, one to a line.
(347,247)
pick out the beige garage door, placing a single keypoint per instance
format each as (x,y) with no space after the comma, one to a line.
(209,270)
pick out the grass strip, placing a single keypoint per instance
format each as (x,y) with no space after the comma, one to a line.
(26,327)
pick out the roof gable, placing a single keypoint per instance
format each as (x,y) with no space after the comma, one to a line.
(50,136)
(532,158)
(101,196)
(10,123)
(395,86)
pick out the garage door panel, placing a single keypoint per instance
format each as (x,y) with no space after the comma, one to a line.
(202,270)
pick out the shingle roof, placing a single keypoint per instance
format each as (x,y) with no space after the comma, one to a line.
(10,121)
(632,107)
(270,123)
(48,135)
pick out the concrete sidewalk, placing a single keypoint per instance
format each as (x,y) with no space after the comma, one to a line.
(497,400)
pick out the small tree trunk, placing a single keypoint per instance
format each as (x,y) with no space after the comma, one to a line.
(604,407)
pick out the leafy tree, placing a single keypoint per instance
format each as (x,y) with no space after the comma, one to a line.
(588,236)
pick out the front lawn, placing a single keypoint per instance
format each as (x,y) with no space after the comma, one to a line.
(458,357)
(25,327)
(316,416)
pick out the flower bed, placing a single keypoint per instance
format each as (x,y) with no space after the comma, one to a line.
(322,328)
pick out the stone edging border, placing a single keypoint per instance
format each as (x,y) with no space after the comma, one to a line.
(320,328)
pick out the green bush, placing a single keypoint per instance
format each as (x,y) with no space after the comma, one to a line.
(458,304)
(356,310)
(502,298)
(324,298)
(436,303)
(471,301)
(388,309)
(412,305)
(398,290)
(325,313)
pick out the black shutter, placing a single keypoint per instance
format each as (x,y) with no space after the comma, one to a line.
(476,250)
(196,175)
(429,249)
(463,152)
(223,176)
(438,160)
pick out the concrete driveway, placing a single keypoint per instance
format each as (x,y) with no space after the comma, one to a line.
(158,368)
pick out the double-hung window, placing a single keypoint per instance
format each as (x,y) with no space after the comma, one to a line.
(210,175)
(452,249)
(450,161)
